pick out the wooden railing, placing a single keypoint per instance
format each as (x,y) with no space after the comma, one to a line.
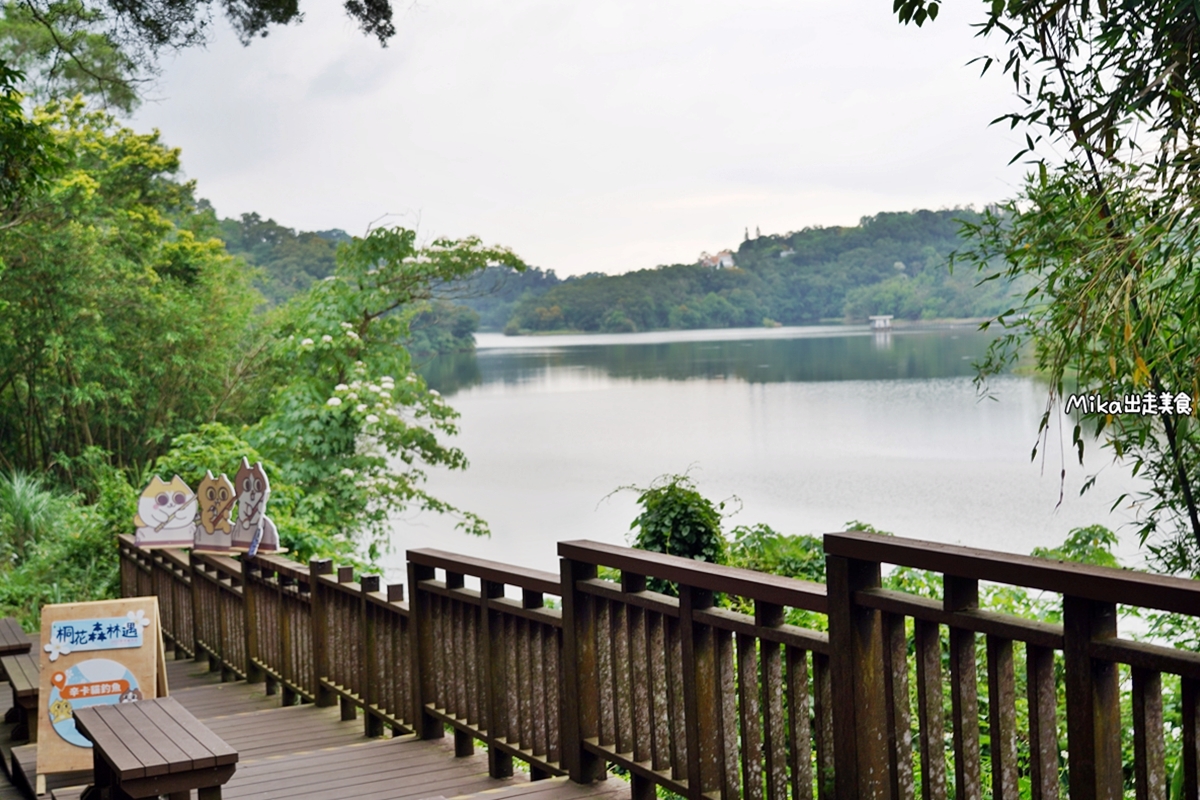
(874,756)
(219,614)
(278,628)
(708,691)
(487,665)
(697,699)
(168,575)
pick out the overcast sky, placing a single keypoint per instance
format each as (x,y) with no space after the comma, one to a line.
(593,136)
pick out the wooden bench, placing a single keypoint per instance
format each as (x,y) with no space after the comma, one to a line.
(21,671)
(12,641)
(151,748)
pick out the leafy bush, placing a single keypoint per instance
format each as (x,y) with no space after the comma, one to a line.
(677,520)
(54,550)
(762,548)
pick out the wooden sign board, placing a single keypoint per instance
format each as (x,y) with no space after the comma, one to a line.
(97,653)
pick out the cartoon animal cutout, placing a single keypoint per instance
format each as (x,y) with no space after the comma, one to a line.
(215,529)
(61,711)
(253,531)
(166,515)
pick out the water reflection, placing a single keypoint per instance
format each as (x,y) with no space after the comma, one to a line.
(880,355)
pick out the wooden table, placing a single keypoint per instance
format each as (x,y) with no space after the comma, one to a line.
(151,748)
(21,671)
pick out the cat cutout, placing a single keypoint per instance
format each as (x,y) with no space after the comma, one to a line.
(166,515)
(214,533)
(253,531)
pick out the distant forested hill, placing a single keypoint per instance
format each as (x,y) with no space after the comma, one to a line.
(891,263)
(287,262)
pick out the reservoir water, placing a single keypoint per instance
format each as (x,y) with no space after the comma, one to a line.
(801,428)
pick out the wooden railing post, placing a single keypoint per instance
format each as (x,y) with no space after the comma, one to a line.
(288,696)
(962,594)
(859,691)
(1093,701)
(464,743)
(700,695)
(320,634)
(493,680)
(345,574)
(197,608)
(369,678)
(421,636)
(250,584)
(580,697)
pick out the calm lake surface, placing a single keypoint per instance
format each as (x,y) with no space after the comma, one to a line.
(803,428)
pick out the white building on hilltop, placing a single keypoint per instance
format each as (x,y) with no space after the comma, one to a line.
(722,260)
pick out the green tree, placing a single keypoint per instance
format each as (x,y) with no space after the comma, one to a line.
(350,424)
(30,154)
(120,326)
(1105,229)
(63,53)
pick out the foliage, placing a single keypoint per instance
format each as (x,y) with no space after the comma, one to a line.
(29,513)
(889,264)
(63,50)
(350,425)
(439,327)
(52,550)
(108,49)
(494,292)
(1105,229)
(287,261)
(121,326)
(761,547)
(1090,545)
(30,155)
(677,520)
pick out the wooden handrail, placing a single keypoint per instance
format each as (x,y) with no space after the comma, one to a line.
(700,574)
(1104,584)
(522,577)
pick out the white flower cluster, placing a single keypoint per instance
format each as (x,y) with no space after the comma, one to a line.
(373,401)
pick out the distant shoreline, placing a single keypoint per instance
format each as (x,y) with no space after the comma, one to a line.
(495,340)
(898,324)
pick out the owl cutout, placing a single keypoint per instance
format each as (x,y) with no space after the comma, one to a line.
(214,533)
(166,515)
(253,531)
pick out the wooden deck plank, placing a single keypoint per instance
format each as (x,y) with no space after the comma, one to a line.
(285,730)
(206,700)
(188,674)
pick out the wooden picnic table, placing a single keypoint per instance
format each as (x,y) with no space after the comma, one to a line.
(21,671)
(153,747)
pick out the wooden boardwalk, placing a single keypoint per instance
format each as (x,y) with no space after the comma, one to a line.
(311,753)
